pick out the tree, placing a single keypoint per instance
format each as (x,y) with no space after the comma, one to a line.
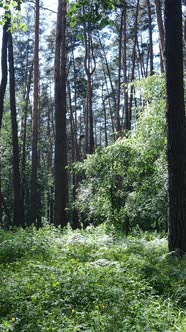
(35,217)
(176,149)
(18,204)
(90,66)
(60,118)
(3,69)
(161,33)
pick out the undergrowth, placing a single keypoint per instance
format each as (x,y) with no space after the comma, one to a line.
(91,281)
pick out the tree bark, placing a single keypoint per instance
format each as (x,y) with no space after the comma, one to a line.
(60,118)
(176,149)
(18,204)
(126,105)
(89,65)
(161,33)
(35,196)
(133,65)
(150,38)
(24,136)
(3,69)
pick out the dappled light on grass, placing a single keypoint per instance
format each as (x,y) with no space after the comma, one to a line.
(91,280)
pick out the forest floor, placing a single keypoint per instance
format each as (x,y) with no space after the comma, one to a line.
(91,281)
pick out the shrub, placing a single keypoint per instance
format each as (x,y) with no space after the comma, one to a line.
(125,184)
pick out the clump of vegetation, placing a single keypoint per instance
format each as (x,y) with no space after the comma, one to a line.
(125,184)
(91,280)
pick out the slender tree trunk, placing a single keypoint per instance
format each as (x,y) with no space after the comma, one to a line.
(89,65)
(77,156)
(24,136)
(60,118)
(133,65)
(2,94)
(161,33)
(35,196)
(118,126)
(126,105)
(176,126)
(3,69)
(150,38)
(18,204)
(105,117)
(113,107)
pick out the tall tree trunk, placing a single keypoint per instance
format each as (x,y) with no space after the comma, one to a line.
(161,32)
(113,107)
(105,116)
(2,93)
(176,126)
(118,125)
(60,118)
(3,68)
(89,65)
(35,196)
(133,65)
(18,204)
(126,108)
(150,38)
(24,136)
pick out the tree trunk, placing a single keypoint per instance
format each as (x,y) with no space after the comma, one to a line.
(35,196)
(176,126)
(18,204)
(133,65)
(150,38)
(60,118)
(126,108)
(113,107)
(89,65)
(161,33)
(118,126)
(3,69)
(24,136)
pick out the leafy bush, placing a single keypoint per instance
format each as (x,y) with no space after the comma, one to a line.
(125,183)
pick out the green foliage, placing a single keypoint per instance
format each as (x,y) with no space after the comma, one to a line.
(91,280)
(125,183)
(97,13)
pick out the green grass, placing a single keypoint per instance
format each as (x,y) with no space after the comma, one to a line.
(89,281)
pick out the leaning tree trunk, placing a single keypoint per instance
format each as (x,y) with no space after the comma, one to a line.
(60,218)
(176,148)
